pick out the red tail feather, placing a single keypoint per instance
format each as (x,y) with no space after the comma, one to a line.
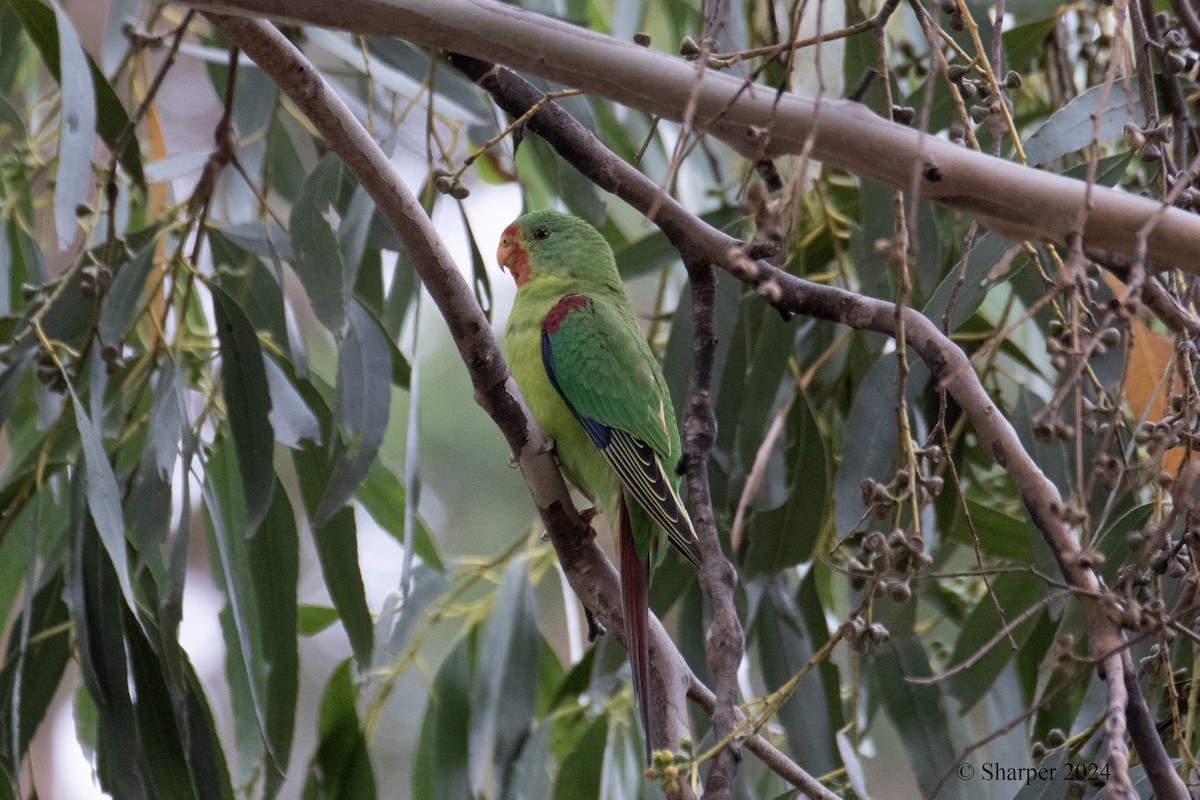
(635,605)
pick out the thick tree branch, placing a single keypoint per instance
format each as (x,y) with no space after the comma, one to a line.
(588,570)
(1019,202)
(700,243)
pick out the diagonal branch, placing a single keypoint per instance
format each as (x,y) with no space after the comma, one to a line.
(588,570)
(698,242)
(1018,202)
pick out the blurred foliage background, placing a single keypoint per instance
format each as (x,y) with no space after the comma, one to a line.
(257,540)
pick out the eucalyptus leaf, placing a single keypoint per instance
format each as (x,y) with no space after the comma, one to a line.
(341,766)
(317,258)
(78,130)
(503,695)
(1071,127)
(248,404)
(364,404)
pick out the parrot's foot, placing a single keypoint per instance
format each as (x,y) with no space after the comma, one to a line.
(513,461)
(594,627)
(547,446)
(589,514)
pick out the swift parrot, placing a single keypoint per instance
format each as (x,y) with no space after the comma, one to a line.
(583,364)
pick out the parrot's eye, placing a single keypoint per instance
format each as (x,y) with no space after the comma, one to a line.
(541,233)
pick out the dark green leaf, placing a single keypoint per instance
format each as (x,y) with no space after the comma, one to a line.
(337,549)
(382,495)
(992,259)
(123,296)
(1015,592)
(162,746)
(311,620)
(248,404)
(78,131)
(1050,782)
(29,680)
(440,770)
(580,772)
(103,497)
(784,646)
(94,598)
(1001,534)
(1070,127)
(918,712)
(341,767)
(364,395)
(39,23)
(317,259)
(242,621)
(786,535)
(503,695)
(869,446)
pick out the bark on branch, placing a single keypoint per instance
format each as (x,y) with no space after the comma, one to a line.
(1016,201)
(588,570)
(698,242)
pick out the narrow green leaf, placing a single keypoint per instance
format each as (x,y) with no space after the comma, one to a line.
(111,119)
(103,497)
(1015,592)
(162,746)
(382,495)
(786,535)
(869,446)
(337,549)
(317,259)
(400,614)
(248,404)
(785,646)
(94,598)
(275,566)
(341,767)
(440,769)
(364,403)
(992,260)
(77,131)
(1002,534)
(580,772)
(918,712)
(503,695)
(311,620)
(123,297)
(1070,127)
(479,274)
(291,418)
(1050,782)
(242,622)
(35,675)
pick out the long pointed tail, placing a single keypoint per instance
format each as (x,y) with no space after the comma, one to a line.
(635,606)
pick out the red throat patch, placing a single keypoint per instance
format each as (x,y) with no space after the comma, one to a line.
(554,320)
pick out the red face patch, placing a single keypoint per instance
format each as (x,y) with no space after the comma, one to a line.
(554,320)
(511,256)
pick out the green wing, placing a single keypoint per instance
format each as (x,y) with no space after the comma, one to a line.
(597,359)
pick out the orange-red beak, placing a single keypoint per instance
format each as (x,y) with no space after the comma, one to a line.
(508,248)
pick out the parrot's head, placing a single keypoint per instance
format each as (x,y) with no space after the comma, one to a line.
(552,244)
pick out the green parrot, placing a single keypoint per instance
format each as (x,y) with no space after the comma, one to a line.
(593,385)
